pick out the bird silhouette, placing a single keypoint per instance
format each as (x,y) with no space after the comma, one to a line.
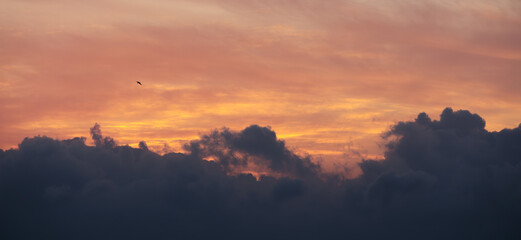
(138,82)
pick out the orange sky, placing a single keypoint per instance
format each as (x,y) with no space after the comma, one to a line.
(327,76)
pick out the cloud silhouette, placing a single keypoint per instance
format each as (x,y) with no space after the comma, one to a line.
(98,139)
(446,179)
(256,147)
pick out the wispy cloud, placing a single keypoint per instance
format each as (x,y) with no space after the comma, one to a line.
(307,68)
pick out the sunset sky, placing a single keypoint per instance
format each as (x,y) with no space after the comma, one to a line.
(328,76)
(260,119)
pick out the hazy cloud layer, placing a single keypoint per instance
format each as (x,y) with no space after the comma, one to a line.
(441,179)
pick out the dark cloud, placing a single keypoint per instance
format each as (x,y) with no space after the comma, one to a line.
(143,145)
(446,179)
(254,147)
(98,139)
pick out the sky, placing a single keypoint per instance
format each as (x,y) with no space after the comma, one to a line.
(287,119)
(328,76)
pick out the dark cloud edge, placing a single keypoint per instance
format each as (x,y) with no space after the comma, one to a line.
(448,179)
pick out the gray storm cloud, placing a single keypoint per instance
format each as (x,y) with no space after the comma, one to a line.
(440,179)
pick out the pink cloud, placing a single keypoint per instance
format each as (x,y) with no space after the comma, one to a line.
(316,71)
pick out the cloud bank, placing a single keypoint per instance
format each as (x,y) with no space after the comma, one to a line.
(446,179)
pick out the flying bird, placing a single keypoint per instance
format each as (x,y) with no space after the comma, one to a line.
(138,82)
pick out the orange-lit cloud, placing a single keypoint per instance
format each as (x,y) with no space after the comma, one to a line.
(328,76)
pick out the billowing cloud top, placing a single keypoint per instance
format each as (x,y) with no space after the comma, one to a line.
(446,179)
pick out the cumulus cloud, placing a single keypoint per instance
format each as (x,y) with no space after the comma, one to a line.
(440,179)
(143,145)
(254,146)
(98,139)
